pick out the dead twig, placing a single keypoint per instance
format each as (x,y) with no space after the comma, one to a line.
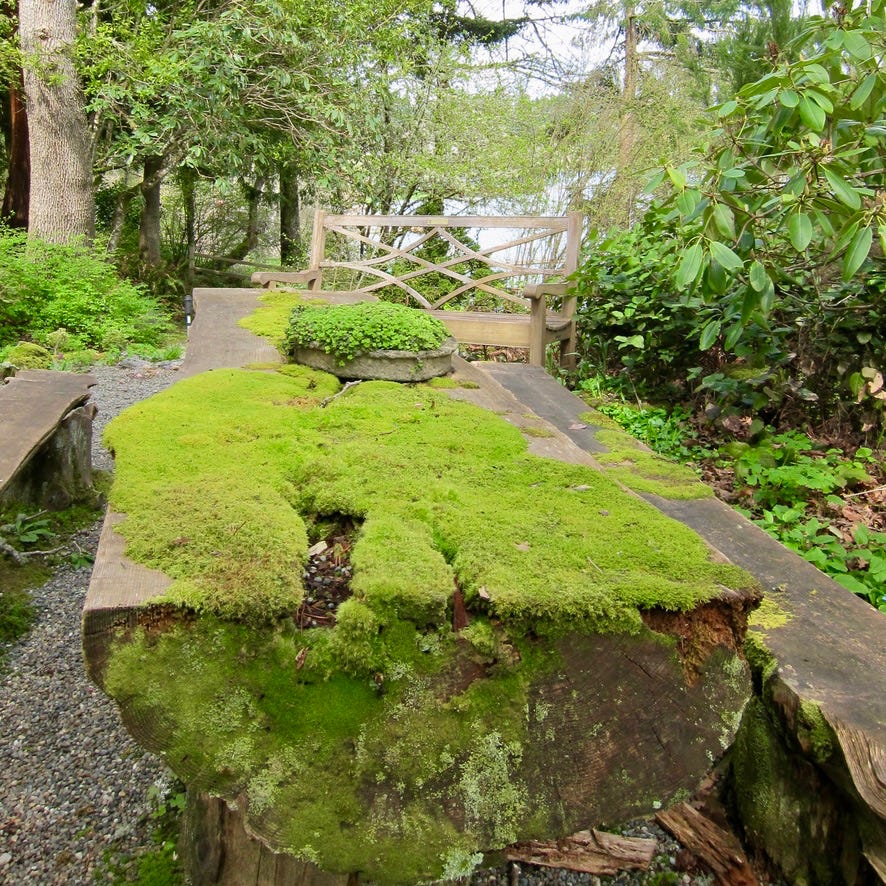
(328,400)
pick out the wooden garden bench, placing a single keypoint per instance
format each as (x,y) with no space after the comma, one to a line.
(484,294)
(45,437)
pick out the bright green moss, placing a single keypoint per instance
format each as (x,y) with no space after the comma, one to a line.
(391,753)
(635,467)
(386,744)
(215,474)
(271,319)
(27,355)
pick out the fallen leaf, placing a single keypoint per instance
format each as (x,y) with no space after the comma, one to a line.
(522,546)
(578,426)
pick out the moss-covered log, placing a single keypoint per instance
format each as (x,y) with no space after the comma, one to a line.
(598,676)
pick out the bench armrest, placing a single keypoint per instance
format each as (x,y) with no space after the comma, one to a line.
(269,278)
(539,290)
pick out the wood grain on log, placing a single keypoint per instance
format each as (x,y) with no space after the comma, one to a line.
(590,852)
(718,850)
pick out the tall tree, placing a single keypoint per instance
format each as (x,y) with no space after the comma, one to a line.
(61,200)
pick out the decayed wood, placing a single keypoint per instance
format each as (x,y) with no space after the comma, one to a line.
(590,852)
(532,326)
(32,405)
(717,849)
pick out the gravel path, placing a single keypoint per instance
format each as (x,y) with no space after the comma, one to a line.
(73,784)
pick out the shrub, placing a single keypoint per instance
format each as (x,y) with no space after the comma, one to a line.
(46,288)
(346,331)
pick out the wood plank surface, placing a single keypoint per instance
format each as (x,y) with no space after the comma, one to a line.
(32,404)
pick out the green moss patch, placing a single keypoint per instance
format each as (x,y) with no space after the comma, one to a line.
(390,776)
(639,469)
(216,473)
(271,319)
(388,743)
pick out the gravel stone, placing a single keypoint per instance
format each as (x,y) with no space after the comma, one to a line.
(74,785)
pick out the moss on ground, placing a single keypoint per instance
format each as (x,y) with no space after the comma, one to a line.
(386,744)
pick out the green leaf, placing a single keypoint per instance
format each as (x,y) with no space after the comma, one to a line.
(654,182)
(748,304)
(843,191)
(722,254)
(857,252)
(677,177)
(863,92)
(690,265)
(759,279)
(727,108)
(811,114)
(816,73)
(688,201)
(709,334)
(821,100)
(856,45)
(724,220)
(789,98)
(881,231)
(733,336)
(799,230)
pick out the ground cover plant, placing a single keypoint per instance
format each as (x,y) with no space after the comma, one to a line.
(825,503)
(347,331)
(390,711)
(71,303)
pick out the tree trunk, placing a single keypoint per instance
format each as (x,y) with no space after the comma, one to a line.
(627,131)
(187,182)
(15,198)
(149,229)
(61,204)
(292,249)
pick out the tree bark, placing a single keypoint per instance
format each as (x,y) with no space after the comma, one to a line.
(61,205)
(149,228)
(15,198)
(627,131)
(292,249)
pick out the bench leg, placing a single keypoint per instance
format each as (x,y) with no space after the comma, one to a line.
(537,320)
(568,348)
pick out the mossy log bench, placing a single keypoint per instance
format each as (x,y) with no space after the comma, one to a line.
(45,439)
(466,719)
(485,295)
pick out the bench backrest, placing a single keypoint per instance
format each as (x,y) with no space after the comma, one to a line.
(380,251)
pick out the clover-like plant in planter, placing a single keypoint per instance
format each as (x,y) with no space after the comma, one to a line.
(370,340)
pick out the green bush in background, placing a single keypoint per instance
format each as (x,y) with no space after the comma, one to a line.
(68,298)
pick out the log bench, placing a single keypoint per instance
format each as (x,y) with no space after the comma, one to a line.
(406,256)
(45,438)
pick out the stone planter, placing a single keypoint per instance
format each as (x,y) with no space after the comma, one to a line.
(405,366)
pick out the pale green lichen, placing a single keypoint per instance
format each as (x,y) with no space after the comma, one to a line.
(769,615)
